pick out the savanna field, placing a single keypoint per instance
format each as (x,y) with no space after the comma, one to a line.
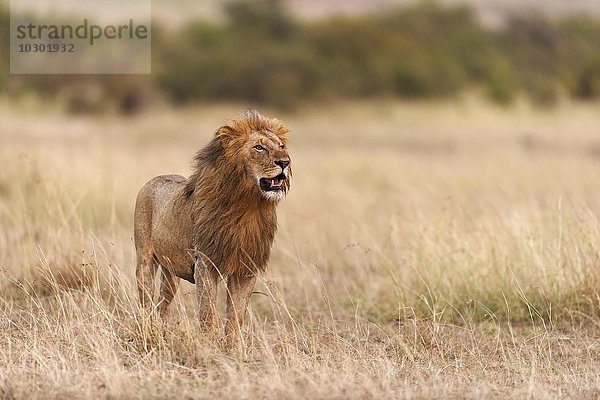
(425,250)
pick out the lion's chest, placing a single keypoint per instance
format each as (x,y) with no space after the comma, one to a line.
(236,242)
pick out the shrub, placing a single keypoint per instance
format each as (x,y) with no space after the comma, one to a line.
(262,55)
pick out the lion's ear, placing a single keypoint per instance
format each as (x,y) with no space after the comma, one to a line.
(279,129)
(224,132)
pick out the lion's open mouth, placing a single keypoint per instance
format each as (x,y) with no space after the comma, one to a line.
(272,184)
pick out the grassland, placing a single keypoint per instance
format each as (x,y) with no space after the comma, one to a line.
(447,250)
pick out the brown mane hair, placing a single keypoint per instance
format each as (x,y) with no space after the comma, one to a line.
(228,211)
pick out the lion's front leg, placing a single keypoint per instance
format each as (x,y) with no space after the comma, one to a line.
(206,279)
(239,289)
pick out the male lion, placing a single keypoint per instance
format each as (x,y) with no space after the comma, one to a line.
(218,223)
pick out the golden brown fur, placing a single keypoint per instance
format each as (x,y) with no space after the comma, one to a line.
(218,223)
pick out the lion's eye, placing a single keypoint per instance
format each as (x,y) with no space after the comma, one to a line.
(258,147)
(282,146)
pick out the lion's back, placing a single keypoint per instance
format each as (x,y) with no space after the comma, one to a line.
(158,191)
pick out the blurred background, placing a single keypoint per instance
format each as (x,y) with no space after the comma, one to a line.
(286,54)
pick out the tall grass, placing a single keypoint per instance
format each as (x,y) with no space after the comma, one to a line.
(424,252)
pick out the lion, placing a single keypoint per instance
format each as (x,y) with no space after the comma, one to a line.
(217,224)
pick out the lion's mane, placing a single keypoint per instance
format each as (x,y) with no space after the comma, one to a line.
(233,225)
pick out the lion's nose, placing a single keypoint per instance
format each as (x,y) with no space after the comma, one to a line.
(282,163)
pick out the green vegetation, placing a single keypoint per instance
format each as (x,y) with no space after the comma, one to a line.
(261,54)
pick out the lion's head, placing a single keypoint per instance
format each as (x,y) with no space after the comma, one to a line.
(259,147)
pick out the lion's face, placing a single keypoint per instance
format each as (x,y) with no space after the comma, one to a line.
(269,163)
(258,146)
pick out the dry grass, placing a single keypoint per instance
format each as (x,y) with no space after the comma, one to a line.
(424,251)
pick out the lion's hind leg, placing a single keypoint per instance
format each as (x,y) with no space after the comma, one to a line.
(147,264)
(169,284)
(145,273)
